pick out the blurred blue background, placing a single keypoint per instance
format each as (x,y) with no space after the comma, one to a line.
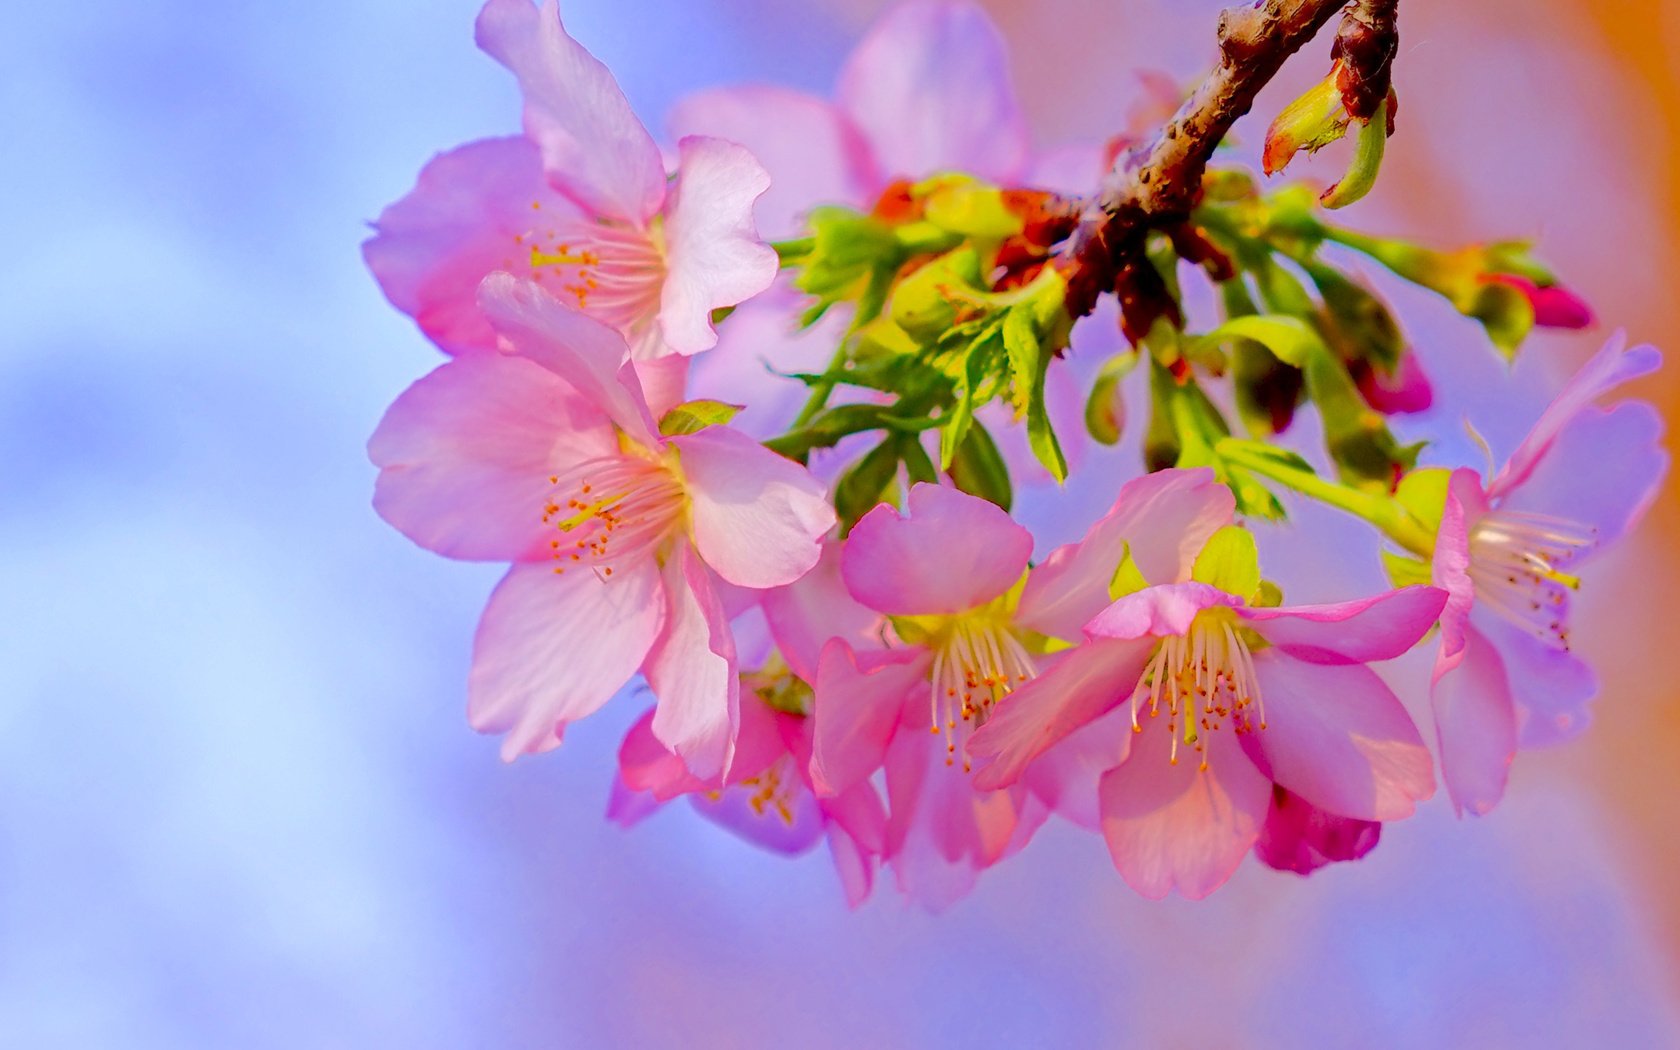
(239,804)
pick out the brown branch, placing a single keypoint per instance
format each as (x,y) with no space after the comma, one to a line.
(1156,183)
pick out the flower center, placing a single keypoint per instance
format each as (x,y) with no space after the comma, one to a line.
(775,790)
(612,272)
(977,661)
(1516,561)
(1204,677)
(612,509)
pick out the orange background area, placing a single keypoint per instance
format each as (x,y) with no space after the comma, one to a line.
(1553,120)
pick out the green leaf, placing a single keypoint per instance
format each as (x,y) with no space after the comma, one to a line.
(860,489)
(917,465)
(1229,561)
(1105,409)
(691,417)
(1290,339)
(1405,570)
(1029,362)
(1423,493)
(1361,176)
(1127,578)
(979,470)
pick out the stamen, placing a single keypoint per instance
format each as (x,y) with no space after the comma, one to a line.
(1516,563)
(977,662)
(1206,677)
(612,508)
(612,272)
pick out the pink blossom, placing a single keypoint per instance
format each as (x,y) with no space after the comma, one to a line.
(1507,552)
(1554,305)
(766,797)
(1253,697)
(1407,390)
(625,542)
(580,203)
(1298,836)
(970,627)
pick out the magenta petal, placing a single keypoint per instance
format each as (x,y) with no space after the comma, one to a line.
(553,648)
(1300,838)
(692,671)
(1356,632)
(713,254)
(1156,612)
(1475,723)
(584,352)
(930,88)
(1609,368)
(1178,826)
(758,518)
(1339,738)
(593,147)
(465,456)
(1080,687)
(951,553)
(1554,305)
(1163,519)
(813,153)
(1406,391)
(1602,470)
(806,613)
(856,710)
(463,219)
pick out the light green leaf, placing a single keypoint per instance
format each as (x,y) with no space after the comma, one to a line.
(691,417)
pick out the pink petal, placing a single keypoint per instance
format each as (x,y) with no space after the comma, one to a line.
(1552,688)
(791,832)
(1177,826)
(1356,632)
(1164,519)
(462,220)
(692,671)
(1608,369)
(813,153)
(1475,723)
(951,553)
(1339,738)
(1465,504)
(664,382)
(855,866)
(627,808)
(1156,612)
(1571,480)
(856,710)
(553,648)
(465,456)
(649,768)
(758,519)
(1302,839)
(584,352)
(806,613)
(1065,777)
(713,252)
(593,147)
(930,88)
(941,831)
(1079,687)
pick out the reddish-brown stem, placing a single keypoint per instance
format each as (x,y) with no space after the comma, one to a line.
(1155,184)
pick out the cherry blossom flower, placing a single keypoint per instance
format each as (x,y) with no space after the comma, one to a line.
(970,627)
(545,454)
(1252,697)
(580,203)
(1507,552)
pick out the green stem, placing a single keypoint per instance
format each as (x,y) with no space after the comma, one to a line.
(793,252)
(1386,514)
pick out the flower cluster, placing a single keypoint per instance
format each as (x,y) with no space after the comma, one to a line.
(846,634)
